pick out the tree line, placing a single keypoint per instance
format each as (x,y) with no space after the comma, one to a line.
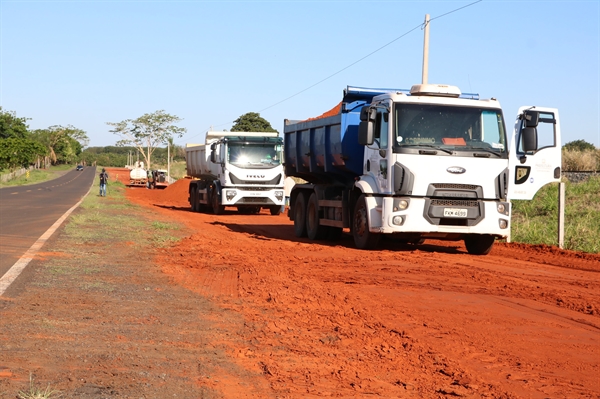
(23,147)
(145,138)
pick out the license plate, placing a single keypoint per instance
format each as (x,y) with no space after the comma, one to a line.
(455,212)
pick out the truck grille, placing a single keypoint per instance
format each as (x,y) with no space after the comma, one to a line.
(453,203)
(255,200)
(447,186)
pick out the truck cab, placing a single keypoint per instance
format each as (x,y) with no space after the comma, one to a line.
(237,169)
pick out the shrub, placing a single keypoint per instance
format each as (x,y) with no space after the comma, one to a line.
(577,161)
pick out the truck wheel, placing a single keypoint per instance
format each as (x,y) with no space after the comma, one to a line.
(314,230)
(300,215)
(194,199)
(218,209)
(363,238)
(479,244)
(275,210)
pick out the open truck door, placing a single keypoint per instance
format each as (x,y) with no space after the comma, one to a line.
(535,152)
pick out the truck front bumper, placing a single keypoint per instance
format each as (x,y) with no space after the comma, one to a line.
(428,219)
(239,197)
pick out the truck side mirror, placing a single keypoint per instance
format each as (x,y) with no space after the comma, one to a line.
(532,118)
(367,114)
(364,113)
(529,139)
(365,133)
(213,156)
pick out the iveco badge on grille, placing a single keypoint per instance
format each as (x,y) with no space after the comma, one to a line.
(457,170)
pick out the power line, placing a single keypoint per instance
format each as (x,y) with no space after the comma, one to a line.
(421,25)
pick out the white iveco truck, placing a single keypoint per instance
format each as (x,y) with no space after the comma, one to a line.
(236,169)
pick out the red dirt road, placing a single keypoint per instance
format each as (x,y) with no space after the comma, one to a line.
(324,319)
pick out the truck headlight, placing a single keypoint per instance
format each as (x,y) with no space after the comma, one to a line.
(279,195)
(503,223)
(229,194)
(400,204)
(502,208)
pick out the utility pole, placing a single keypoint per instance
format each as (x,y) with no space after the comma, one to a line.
(426,51)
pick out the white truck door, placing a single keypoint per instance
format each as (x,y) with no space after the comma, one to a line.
(535,152)
(377,154)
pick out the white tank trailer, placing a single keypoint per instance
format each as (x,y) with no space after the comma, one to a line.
(138,176)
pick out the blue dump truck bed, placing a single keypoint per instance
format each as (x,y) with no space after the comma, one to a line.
(325,149)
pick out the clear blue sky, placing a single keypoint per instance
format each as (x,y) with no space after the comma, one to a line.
(85,63)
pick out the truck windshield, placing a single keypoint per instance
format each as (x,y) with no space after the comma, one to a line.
(451,129)
(254,155)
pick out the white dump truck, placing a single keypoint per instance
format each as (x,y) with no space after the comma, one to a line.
(429,162)
(236,169)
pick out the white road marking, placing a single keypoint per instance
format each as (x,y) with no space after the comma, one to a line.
(11,275)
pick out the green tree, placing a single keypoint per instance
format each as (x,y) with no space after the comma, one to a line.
(579,145)
(12,126)
(62,142)
(252,122)
(147,132)
(19,152)
(68,150)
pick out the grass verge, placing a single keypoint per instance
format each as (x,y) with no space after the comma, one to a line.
(38,176)
(99,223)
(536,221)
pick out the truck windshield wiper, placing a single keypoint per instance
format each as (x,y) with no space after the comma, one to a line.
(486,150)
(430,146)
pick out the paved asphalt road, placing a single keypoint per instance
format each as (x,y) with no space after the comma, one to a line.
(26,212)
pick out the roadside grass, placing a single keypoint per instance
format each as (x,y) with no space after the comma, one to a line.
(38,176)
(178,170)
(575,160)
(536,221)
(35,392)
(99,223)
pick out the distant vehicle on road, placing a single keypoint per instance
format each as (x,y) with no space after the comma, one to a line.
(79,168)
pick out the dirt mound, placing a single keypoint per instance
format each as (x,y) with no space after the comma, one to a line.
(333,111)
(176,192)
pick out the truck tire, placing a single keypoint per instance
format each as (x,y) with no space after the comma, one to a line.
(218,209)
(314,230)
(275,210)
(300,215)
(363,238)
(194,199)
(479,244)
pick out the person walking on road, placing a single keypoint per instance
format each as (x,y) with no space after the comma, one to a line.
(103,182)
